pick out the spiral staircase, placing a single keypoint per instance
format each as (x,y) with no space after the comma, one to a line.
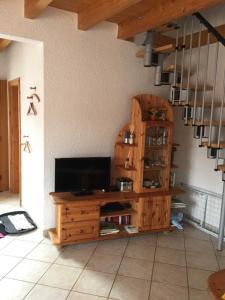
(203,109)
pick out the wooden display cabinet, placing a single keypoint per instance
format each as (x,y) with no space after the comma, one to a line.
(147,161)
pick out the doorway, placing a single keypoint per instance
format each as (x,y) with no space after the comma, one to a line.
(14,137)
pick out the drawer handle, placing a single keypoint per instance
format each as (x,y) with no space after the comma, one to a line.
(83,212)
(81,231)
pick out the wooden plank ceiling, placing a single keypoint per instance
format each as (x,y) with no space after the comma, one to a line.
(132,16)
(4,43)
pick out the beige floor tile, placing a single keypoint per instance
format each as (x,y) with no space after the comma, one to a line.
(33,236)
(140,251)
(193,245)
(41,292)
(95,283)
(198,295)
(170,256)
(29,270)
(18,248)
(126,288)
(137,268)
(7,263)
(113,247)
(73,258)
(104,263)
(46,241)
(197,279)
(43,252)
(83,248)
(79,296)
(14,289)
(5,241)
(63,277)
(160,291)
(148,239)
(202,261)
(170,274)
(193,233)
(172,242)
(221,261)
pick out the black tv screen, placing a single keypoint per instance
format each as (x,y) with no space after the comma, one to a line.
(83,173)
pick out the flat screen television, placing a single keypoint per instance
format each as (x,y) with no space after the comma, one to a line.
(82,174)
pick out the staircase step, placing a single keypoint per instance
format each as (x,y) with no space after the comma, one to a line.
(221,168)
(192,87)
(205,123)
(214,145)
(199,104)
(163,49)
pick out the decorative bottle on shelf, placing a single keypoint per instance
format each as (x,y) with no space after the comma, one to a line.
(131,138)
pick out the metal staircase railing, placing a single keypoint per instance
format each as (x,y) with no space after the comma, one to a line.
(199,113)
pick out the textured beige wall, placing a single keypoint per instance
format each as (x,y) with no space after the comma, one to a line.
(89,79)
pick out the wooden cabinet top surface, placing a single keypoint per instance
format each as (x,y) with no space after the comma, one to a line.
(62,198)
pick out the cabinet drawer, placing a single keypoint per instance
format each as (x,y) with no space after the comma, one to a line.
(79,230)
(77,213)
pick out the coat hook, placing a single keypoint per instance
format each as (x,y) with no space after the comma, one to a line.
(26,144)
(34,95)
(31,110)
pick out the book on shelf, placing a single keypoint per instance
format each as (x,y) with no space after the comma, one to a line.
(118,220)
(176,203)
(108,228)
(131,229)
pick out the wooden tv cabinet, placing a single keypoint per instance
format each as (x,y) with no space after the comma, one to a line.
(78,218)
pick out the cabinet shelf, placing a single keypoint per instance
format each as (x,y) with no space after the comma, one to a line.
(126,145)
(117,213)
(149,147)
(153,168)
(158,123)
(127,169)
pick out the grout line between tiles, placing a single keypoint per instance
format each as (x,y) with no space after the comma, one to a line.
(153,265)
(185,255)
(82,270)
(118,268)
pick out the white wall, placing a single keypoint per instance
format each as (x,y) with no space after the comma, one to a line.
(25,61)
(89,79)
(3,67)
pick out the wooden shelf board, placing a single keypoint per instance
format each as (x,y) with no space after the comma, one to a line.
(153,168)
(162,49)
(149,147)
(126,169)
(126,145)
(101,197)
(158,123)
(124,212)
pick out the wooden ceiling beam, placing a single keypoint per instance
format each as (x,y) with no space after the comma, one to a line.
(162,12)
(101,10)
(33,8)
(4,43)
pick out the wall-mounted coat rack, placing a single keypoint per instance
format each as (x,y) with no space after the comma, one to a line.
(32,110)
(26,145)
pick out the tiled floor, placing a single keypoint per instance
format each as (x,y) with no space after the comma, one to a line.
(172,266)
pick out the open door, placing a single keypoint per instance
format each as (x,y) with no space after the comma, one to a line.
(4,161)
(14,136)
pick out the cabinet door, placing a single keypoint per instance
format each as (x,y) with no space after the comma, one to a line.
(161,212)
(155,213)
